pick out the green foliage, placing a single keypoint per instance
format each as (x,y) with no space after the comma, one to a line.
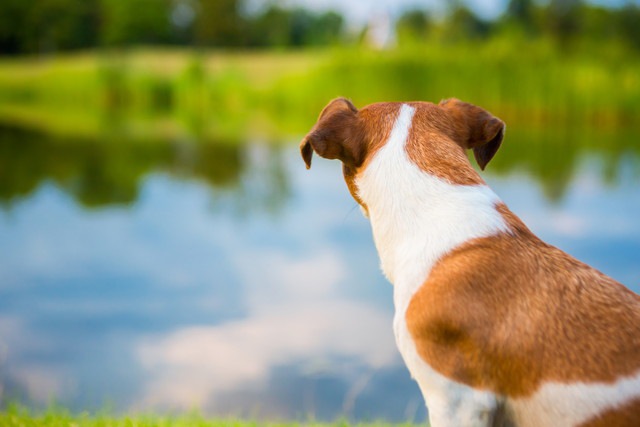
(126,22)
(563,19)
(568,25)
(525,81)
(412,26)
(281,27)
(464,25)
(47,25)
(44,26)
(627,22)
(219,23)
(526,84)
(521,11)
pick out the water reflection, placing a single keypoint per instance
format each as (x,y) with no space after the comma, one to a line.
(110,171)
(162,275)
(551,156)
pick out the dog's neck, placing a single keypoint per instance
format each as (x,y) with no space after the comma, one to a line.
(416,217)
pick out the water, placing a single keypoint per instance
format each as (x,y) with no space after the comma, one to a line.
(168,275)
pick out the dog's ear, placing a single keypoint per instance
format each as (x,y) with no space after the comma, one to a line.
(336,135)
(475,129)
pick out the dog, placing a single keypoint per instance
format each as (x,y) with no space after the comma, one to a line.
(497,327)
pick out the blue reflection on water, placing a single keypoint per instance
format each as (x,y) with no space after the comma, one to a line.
(176,301)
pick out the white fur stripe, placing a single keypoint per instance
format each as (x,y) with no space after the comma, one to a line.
(556,404)
(416,219)
(401,127)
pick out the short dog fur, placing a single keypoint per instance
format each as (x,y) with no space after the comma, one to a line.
(497,327)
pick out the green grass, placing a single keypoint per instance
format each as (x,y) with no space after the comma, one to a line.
(158,92)
(17,416)
(204,93)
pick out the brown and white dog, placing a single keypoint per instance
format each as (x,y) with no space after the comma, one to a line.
(497,327)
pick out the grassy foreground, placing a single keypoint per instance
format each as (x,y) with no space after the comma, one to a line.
(16,416)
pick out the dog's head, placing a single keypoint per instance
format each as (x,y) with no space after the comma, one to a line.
(437,138)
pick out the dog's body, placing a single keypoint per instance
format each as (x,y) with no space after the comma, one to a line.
(497,327)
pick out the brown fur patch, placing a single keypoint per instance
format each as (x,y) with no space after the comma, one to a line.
(432,147)
(336,135)
(515,223)
(627,415)
(509,312)
(342,132)
(475,129)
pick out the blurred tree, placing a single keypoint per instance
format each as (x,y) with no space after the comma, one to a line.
(136,21)
(298,27)
(12,22)
(47,25)
(464,24)
(522,13)
(219,23)
(183,15)
(56,25)
(320,29)
(628,23)
(271,28)
(598,24)
(564,19)
(413,25)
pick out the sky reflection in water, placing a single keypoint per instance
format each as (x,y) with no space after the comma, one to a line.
(195,297)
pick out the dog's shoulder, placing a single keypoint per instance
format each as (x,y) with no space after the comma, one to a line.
(494,313)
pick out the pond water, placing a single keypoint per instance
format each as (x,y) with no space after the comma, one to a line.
(169,275)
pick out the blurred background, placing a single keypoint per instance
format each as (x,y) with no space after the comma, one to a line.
(162,247)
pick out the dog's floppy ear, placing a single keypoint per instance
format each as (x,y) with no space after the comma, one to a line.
(336,135)
(476,129)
